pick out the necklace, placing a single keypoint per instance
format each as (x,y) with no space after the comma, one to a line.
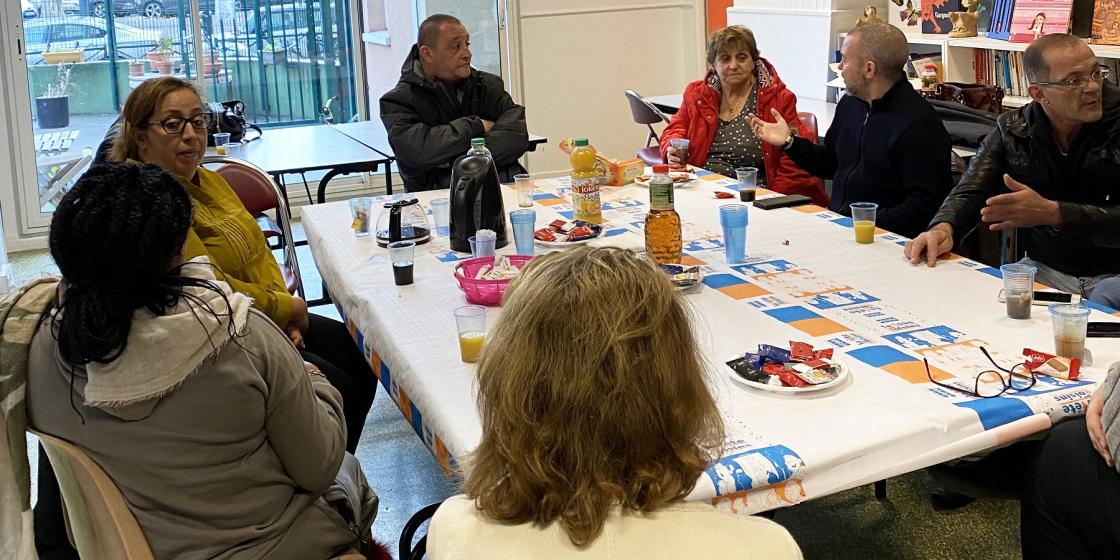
(735,105)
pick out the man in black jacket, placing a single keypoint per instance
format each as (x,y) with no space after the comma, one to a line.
(440,103)
(886,144)
(1051,170)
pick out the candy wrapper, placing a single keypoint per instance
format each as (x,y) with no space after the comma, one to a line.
(773,353)
(747,370)
(803,352)
(1051,365)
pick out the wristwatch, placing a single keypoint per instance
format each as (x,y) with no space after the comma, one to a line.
(789,141)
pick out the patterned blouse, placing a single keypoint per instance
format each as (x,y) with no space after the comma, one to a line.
(735,144)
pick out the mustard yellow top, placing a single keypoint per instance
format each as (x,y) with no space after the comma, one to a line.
(224,231)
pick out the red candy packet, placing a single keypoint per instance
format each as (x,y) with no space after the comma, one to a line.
(1051,365)
(803,352)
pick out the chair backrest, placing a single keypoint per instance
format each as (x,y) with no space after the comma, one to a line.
(406,551)
(810,121)
(99,520)
(259,193)
(643,111)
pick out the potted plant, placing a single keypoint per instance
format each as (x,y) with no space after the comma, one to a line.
(53,107)
(136,67)
(162,52)
(63,55)
(211,63)
(274,54)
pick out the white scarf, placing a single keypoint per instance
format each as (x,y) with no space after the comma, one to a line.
(163,350)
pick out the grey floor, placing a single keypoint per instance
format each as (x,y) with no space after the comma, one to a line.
(850,525)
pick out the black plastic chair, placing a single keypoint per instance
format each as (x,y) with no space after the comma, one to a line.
(406,550)
(645,113)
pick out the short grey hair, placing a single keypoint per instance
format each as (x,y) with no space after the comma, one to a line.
(886,46)
(1034,59)
(428,35)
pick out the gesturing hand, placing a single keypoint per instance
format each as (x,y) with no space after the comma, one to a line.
(773,133)
(1022,207)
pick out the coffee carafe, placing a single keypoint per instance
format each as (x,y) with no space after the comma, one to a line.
(476,201)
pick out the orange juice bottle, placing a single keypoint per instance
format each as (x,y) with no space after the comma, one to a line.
(586,181)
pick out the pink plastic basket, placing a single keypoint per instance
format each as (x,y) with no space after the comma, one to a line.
(485,292)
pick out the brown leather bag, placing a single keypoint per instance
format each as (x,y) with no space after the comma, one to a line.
(982,97)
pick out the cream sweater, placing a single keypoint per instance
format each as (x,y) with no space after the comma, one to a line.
(683,530)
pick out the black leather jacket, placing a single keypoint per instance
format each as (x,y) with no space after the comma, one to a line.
(1086,184)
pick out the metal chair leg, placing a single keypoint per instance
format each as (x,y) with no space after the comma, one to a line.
(880,489)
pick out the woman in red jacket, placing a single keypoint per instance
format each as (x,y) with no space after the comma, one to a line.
(713,117)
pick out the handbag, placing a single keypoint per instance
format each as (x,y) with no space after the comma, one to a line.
(982,97)
(229,116)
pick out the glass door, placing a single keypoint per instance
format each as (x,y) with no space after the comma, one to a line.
(289,61)
(485,20)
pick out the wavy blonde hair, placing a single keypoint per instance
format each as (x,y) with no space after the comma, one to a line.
(592,395)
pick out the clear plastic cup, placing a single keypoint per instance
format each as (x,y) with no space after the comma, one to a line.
(359,215)
(441,215)
(733,218)
(524,222)
(525,189)
(748,182)
(863,221)
(1070,321)
(402,253)
(220,141)
(1018,289)
(680,149)
(470,321)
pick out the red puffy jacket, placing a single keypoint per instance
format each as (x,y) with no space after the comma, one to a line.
(698,119)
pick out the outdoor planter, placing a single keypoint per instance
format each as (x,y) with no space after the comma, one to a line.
(156,57)
(163,67)
(53,112)
(274,57)
(62,57)
(136,69)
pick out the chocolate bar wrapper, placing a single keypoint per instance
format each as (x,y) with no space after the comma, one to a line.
(774,353)
(745,369)
(800,351)
(816,375)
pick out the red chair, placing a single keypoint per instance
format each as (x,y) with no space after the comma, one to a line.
(645,113)
(260,194)
(810,122)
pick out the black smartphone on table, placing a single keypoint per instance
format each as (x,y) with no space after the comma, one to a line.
(1101,329)
(782,201)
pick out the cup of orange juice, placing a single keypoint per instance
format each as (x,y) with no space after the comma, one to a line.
(863,221)
(471,323)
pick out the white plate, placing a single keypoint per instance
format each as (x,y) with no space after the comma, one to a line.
(840,378)
(567,243)
(683,184)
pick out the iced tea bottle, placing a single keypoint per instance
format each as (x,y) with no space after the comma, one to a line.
(663,224)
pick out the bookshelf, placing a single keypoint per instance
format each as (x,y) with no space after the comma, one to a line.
(958,63)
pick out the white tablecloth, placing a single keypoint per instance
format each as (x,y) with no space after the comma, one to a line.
(807,280)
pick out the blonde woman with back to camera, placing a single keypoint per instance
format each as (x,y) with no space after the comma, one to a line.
(596,423)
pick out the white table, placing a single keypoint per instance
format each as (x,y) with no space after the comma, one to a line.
(808,280)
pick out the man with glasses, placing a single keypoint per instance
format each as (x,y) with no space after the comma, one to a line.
(1050,170)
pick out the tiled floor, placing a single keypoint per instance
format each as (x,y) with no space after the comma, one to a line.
(848,525)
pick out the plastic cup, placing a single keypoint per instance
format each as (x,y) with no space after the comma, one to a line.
(680,149)
(482,248)
(441,214)
(863,221)
(524,223)
(525,189)
(748,182)
(359,215)
(402,253)
(1070,322)
(1018,289)
(733,218)
(470,320)
(220,141)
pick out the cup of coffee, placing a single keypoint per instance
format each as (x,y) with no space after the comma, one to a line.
(680,149)
(1070,321)
(1018,289)
(402,253)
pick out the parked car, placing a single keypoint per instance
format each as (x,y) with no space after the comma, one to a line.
(40,7)
(120,7)
(28,9)
(159,8)
(88,34)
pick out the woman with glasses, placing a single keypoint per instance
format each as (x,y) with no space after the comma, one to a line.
(165,123)
(597,422)
(1071,499)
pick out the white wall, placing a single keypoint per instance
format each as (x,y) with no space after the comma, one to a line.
(578,57)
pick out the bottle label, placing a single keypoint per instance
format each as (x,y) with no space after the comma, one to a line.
(585,199)
(661,195)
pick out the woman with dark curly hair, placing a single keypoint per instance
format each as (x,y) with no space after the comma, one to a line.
(596,423)
(224,443)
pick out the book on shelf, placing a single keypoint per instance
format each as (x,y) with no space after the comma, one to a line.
(999,27)
(921,60)
(935,15)
(905,15)
(1106,23)
(1032,19)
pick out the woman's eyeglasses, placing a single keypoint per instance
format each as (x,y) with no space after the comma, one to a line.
(993,382)
(176,125)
